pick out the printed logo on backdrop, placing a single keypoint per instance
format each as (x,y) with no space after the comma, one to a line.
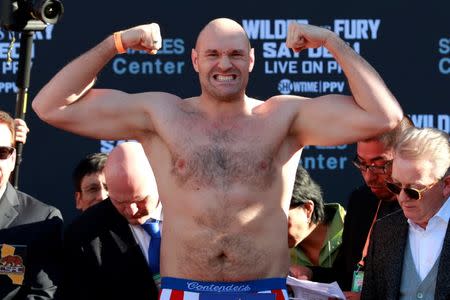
(168,61)
(334,158)
(439,121)
(106,146)
(8,70)
(307,65)
(444,61)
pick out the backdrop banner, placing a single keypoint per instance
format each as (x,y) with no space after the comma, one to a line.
(408,43)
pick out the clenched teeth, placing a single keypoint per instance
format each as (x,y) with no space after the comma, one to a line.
(225,78)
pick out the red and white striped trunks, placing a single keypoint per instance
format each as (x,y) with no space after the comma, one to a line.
(182,289)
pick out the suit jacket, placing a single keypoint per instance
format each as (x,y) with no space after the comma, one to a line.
(361,209)
(102,259)
(383,274)
(29,222)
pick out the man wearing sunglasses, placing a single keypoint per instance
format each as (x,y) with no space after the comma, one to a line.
(367,203)
(409,254)
(30,231)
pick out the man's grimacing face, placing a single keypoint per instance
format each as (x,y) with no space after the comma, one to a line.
(223,59)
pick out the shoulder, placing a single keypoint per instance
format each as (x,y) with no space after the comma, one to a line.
(150,101)
(362,196)
(287,100)
(334,210)
(396,217)
(391,223)
(157,95)
(286,105)
(334,207)
(93,221)
(29,204)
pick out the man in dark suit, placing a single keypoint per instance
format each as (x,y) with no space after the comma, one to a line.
(30,231)
(105,247)
(409,253)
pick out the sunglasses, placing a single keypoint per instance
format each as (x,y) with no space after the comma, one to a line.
(374,169)
(412,193)
(6,152)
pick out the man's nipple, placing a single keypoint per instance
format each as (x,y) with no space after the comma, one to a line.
(180,165)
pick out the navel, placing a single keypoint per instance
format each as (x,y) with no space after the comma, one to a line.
(263,165)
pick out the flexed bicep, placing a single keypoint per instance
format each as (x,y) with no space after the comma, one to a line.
(331,120)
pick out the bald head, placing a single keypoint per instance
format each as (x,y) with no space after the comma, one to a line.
(131,183)
(127,168)
(222,28)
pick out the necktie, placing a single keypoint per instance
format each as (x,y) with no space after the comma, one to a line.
(152,228)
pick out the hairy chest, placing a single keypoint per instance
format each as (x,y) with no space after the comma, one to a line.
(219,155)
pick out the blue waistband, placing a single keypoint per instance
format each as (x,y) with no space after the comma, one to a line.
(223,287)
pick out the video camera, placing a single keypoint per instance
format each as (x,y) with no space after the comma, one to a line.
(29,15)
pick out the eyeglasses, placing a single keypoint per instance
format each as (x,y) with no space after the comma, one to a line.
(372,168)
(412,193)
(6,152)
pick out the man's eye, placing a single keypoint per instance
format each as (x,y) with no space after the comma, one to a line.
(93,190)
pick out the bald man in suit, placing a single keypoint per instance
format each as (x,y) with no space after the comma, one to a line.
(106,248)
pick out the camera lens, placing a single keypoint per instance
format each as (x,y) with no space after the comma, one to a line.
(50,11)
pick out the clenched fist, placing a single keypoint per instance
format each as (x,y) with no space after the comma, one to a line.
(302,36)
(143,37)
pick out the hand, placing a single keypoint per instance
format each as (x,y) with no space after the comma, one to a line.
(21,130)
(302,36)
(300,272)
(144,37)
(352,295)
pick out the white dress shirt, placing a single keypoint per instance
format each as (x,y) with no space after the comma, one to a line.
(426,244)
(141,236)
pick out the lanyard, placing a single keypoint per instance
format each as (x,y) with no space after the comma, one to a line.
(366,245)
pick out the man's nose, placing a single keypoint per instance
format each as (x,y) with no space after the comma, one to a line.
(102,195)
(132,209)
(369,176)
(225,62)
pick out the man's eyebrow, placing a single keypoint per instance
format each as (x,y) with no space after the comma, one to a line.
(377,158)
(240,51)
(94,184)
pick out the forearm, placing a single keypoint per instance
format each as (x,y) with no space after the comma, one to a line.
(368,89)
(74,80)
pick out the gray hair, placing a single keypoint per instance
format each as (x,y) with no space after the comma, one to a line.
(426,143)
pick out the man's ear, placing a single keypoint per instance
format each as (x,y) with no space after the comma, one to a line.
(252,59)
(78,200)
(309,207)
(194,58)
(446,190)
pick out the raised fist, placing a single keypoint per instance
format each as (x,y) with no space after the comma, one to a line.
(302,36)
(143,37)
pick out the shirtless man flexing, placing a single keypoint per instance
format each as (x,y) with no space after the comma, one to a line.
(224,162)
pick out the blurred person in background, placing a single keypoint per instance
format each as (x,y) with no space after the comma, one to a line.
(89,181)
(315,228)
